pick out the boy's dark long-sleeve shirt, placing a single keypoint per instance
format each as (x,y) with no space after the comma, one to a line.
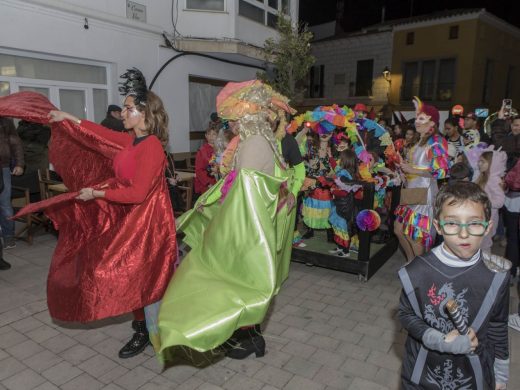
(483,298)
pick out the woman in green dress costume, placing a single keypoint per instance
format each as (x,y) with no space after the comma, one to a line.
(240,235)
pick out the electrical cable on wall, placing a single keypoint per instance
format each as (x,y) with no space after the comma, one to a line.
(171,43)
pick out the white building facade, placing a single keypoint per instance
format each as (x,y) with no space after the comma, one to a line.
(349,69)
(73,51)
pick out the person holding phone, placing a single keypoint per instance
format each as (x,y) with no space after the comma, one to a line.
(505,133)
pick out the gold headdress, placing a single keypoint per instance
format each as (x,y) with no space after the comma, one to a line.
(255,106)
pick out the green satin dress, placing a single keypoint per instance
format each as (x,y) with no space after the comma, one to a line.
(240,254)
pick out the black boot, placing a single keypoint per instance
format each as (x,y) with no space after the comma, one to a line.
(330,235)
(253,342)
(137,343)
(4,265)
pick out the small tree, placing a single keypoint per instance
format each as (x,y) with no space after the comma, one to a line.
(290,56)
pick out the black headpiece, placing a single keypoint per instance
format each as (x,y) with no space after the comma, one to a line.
(134,85)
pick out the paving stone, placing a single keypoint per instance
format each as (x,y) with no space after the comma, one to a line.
(61,373)
(113,374)
(59,343)
(191,383)
(375,344)
(358,368)
(26,379)
(324,342)
(332,360)
(385,360)
(299,349)
(242,382)
(98,365)
(388,378)
(247,367)
(47,386)
(314,305)
(94,337)
(363,384)
(77,354)
(273,376)
(334,378)
(302,367)
(276,358)
(83,382)
(135,378)
(10,366)
(180,372)
(42,361)
(11,338)
(296,334)
(215,374)
(369,330)
(353,350)
(295,321)
(42,333)
(26,324)
(209,386)
(347,335)
(112,386)
(274,328)
(298,383)
(24,350)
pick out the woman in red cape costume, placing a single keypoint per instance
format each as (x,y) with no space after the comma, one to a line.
(111,258)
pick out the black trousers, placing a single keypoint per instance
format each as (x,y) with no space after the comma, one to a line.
(511,222)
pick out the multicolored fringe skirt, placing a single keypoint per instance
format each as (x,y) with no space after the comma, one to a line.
(415,225)
(340,227)
(316,209)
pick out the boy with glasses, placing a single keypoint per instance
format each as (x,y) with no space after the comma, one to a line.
(436,355)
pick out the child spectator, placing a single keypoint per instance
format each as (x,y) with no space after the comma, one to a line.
(436,355)
(492,168)
(341,213)
(205,169)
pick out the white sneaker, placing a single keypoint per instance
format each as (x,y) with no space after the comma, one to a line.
(342,253)
(335,251)
(514,321)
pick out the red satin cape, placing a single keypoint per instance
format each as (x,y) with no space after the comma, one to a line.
(110,258)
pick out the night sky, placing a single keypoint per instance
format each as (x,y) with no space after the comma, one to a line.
(362,13)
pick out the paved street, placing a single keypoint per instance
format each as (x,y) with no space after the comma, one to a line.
(326,330)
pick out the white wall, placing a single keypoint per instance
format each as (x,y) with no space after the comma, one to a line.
(173,87)
(56,29)
(341,56)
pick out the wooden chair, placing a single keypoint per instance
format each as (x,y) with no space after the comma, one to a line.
(20,197)
(49,186)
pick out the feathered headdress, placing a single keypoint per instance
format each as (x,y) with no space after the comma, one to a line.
(134,85)
(431,111)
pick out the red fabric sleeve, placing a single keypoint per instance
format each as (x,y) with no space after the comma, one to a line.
(150,165)
(332,162)
(116,137)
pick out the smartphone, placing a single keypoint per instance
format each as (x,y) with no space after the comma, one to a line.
(481,112)
(507,105)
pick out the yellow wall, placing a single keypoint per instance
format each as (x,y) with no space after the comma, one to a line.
(477,41)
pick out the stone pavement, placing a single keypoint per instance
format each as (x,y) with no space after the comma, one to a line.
(326,330)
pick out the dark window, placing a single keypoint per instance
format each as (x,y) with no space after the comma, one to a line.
(317,76)
(272,19)
(446,79)
(251,12)
(427,85)
(488,78)
(410,38)
(454,32)
(364,76)
(273,4)
(509,81)
(410,85)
